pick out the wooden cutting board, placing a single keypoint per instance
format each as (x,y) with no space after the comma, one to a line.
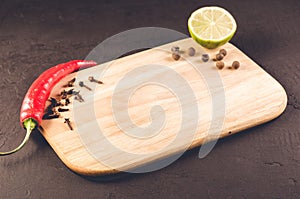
(219,102)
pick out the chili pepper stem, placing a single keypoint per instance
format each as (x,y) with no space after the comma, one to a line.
(29,125)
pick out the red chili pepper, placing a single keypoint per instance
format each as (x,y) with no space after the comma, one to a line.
(33,106)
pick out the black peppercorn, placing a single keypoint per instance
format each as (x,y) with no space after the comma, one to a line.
(191,51)
(175,49)
(205,57)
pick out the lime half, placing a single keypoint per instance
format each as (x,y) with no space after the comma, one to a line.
(211,26)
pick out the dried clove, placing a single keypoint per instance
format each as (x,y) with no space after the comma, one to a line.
(49,117)
(70,83)
(79,98)
(75,92)
(50,113)
(54,102)
(62,109)
(64,94)
(92,79)
(81,84)
(67,102)
(68,122)
(70,92)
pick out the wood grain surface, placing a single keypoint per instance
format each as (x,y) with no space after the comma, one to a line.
(250,97)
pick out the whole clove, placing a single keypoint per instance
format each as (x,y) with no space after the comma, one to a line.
(79,98)
(67,102)
(70,83)
(49,117)
(75,92)
(62,109)
(54,102)
(64,94)
(81,84)
(92,79)
(68,122)
(50,113)
(70,92)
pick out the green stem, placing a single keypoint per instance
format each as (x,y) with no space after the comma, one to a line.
(29,125)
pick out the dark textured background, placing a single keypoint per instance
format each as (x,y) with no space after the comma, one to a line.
(263,162)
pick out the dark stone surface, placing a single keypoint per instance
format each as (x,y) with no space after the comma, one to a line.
(262,162)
